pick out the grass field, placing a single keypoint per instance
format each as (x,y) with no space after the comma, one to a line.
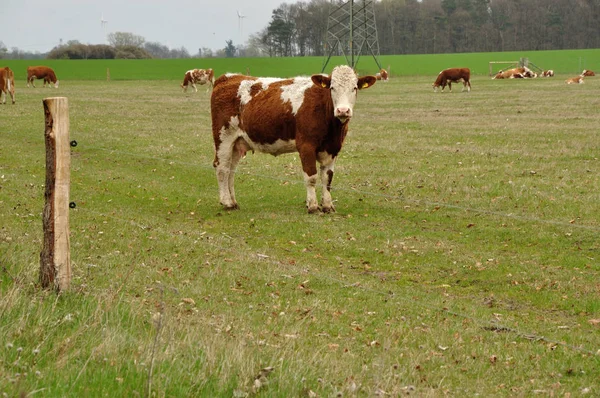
(463,259)
(561,61)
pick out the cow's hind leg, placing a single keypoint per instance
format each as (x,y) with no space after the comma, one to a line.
(239,151)
(226,159)
(466,85)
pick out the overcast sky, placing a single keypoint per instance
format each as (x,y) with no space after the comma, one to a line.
(39,25)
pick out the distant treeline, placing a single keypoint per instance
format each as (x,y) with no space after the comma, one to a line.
(442,26)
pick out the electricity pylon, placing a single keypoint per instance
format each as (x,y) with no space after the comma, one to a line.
(351,31)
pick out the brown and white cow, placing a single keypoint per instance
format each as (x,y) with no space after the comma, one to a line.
(308,115)
(453,75)
(382,75)
(586,73)
(7,84)
(41,72)
(516,73)
(547,73)
(198,76)
(575,80)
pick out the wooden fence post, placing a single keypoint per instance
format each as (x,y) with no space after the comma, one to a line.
(55,258)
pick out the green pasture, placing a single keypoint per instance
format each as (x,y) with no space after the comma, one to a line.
(462,260)
(561,61)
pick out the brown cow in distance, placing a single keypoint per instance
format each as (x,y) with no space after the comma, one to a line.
(199,76)
(382,75)
(453,75)
(575,80)
(308,115)
(41,72)
(7,84)
(547,73)
(586,73)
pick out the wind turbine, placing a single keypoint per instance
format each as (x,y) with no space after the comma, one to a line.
(103,23)
(241,25)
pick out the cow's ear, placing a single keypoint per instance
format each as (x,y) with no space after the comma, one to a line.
(366,81)
(321,80)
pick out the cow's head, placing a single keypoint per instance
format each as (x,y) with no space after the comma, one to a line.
(343,85)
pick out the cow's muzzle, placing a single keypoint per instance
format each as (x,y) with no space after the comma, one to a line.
(343,114)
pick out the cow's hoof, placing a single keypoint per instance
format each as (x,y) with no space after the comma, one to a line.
(330,209)
(233,206)
(313,209)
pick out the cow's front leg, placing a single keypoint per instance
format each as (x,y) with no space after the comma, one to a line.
(326,173)
(308,158)
(195,88)
(450,86)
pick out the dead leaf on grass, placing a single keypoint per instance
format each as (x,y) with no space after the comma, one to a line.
(188,301)
(261,379)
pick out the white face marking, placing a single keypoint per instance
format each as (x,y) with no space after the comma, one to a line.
(294,93)
(343,91)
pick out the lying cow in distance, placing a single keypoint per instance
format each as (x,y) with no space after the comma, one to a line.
(198,76)
(586,73)
(308,115)
(382,75)
(516,73)
(575,80)
(41,72)
(7,84)
(547,73)
(453,75)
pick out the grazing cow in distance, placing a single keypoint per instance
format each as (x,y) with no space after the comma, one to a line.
(382,75)
(575,80)
(198,76)
(7,84)
(453,75)
(587,73)
(547,73)
(308,115)
(41,72)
